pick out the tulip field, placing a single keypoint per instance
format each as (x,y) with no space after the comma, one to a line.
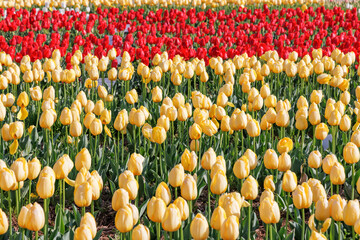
(179,119)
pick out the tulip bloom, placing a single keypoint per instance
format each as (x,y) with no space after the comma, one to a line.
(269,211)
(199,227)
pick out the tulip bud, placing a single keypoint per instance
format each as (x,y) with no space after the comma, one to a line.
(241,167)
(218,218)
(83,159)
(269,183)
(129,183)
(189,160)
(336,206)
(250,188)
(140,232)
(189,188)
(238,120)
(120,199)
(63,167)
(351,153)
(337,174)
(289,181)
(156,208)
(219,183)
(199,227)
(124,219)
(135,163)
(230,228)
(32,217)
(158,135)
(302,196)
(83,195)
(271,160)
(4,223)
(315,159)
(89,221)
(321,131)
(269,211)
(20,168)
(171,221)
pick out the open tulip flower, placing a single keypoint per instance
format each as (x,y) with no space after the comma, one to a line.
(178,114)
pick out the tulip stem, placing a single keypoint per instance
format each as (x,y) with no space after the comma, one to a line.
(249,220)
(64,187)
(287,212)
(334,131)
(46,208)
(122,147)
(176,193)
(17,199)
(190,211)
(267,232)
(314,139)
(83,211)
(137,197)
(303,224)
(181,233)
(134,135)
(270,232)
(36,235)
(158,230)
(104,147)
(10,213)
(94,154)
(353,181)
(160,151)
(92,208)
(236,145)
(209,192)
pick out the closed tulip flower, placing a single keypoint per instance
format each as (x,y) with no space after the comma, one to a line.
(34,167)
(302,196)
(345,123)
(163,121)
(269,211)
(316,96)
(219,183)
(336,207)
(140,232)
(158,135)
(120,199)
(189,160)
(289,181)
(83,195)
(129,183)
(208,159)
(217,218)
(157,94)
(20,168)
(121,120)
(124,219)
(137,117)
(131,97)
(199,227)
(63,167)
(335,117)
(269,183)
(314,117)
(252,157)
(89,220)
(156,208)
(135,163)
(176,176)
(189,188)
(284,162)
(351,153)
(83,233)
(83,159)
(238,120)
(328,162)
(337,174)
(34,215)
(66,117)
(7,179)
(171,221)
(16,129)
(315,159)
(4,223)
(230,228)
(271,160)
(351,212)
(282,118)
(241,168)
(271,116)
(322,209)
(250,188)
(253,128)
(183,207)
(163,192)
(102,92)
(96,127)
(321,131)
(195,131)
(75,129)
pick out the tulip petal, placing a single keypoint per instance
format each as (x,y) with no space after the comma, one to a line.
(13,147)
(22,114)
(107,131)
(230,104)
(70,182)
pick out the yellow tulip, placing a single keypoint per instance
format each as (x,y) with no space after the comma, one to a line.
(83,195)
(4,223)
(302,196)
(269,211)
(230,228)
(171,221)
(351,153)
(128,182)
(250,188)
(156,208)
(120,199)
(199,228)
(63,167)
(189,188)
(124,219)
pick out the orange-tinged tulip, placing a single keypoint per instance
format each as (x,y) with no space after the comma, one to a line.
(20,168)
(83,159)
(128,182)
(230,228)
(171,221)
(351,212)
(208,159)
(163,192)
(217,218)
(120,199)
(285,145)
(83,195)
(156,208)
(269,183)
(351,153)
(83,233)
(4,223)
(337,174)
(269,211)
(250,188)
(63,167)
(189,188)
(336,206)
(135,163)
(124,219)
(241,167)
(289,181)
(271,159)
(315,159)
(183,207)
(89,220)
(302,196)
(219,183)
(176,176)
(322,209)
(284,162)
(321,131)
(140,232)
